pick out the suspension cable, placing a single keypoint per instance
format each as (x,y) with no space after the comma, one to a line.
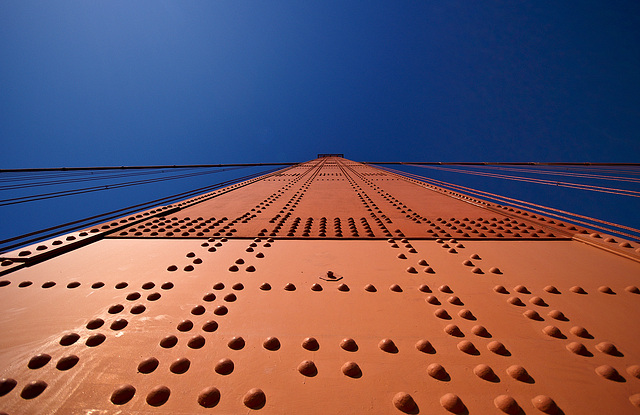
(504,199)
(78,224)
(52,195)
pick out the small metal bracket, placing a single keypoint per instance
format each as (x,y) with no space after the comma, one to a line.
(330,277)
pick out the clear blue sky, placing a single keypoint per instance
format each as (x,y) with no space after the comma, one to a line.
(86,83)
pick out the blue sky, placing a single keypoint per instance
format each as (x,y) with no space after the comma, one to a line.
(174,82)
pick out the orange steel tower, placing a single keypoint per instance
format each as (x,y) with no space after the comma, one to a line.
(326,287)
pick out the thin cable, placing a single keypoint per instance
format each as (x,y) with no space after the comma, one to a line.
(68,227)
(559,173)
(503,199)
(167,166)
(79,180)
(53,195)
(602,189)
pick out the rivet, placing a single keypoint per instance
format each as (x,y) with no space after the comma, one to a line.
(210,326)
(231,297)
(33,389)
(69,339)
(196,342)
(199,310)
(307,368)
(404,402)
(224,366)
(519,373)
(538,301)
(533,315)
(209,397)
(516,301)
(608,372)
(551,289)
(634,371)
(635,400)
(67,362)
(95,340)
(148,365)
(133,296)
(495,270)
(310,343)
(553,331)
(578,290)
(265,286)
(180,366)
(608,348)
(370,288)
(290,287)
(455,300)
(343,287)
(484,372)
(429,270)
(233,268)
(395,288)
(119,324)
(254,399)
(522,289)
(467,263)
(38,361)
(453,330)
(169,341)
(423,263)
(251,268)
(507,404)
(412,270)
(220,310)
(349,345)
(94,324)
(123,394)
(388,346)
(316,287)
(500,289)
(466,346)
(452,403)
(236,343)
(436,371)
(432,300)
(480,331)
(238,286)
(606,290)
(445,289)
(633,289)
(578,348)
(466,314)
(425,288)
(545,404)
(402,256)
(271,343)
(158,396)
(218,286)
(442,313)
(498,348)
(580,332)
(477,270)
(138,309)
(115,309)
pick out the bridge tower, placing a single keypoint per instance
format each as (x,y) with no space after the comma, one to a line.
(327,287)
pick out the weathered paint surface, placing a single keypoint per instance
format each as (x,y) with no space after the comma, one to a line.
(329,287)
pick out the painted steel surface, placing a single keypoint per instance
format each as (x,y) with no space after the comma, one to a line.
(328,287)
